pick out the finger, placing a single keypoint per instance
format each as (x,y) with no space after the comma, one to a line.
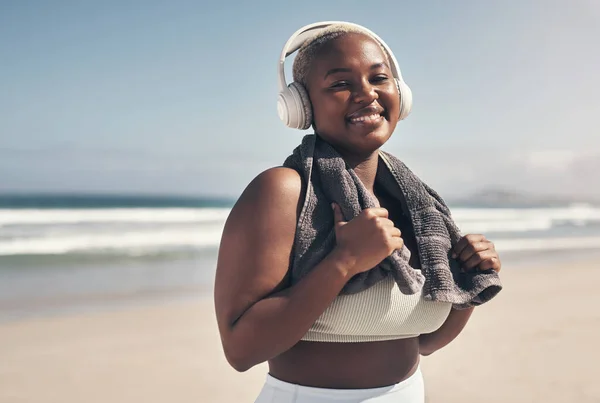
(395,232)
(338,217)
(491,263)
(460,246)
(385,222)
(374,212)
(400,243)
(464,242)
(397,243)
(476,259)
(472,249)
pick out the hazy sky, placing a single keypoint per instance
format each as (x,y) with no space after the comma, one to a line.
(180,96)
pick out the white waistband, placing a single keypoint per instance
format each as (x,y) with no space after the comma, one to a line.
(412,380)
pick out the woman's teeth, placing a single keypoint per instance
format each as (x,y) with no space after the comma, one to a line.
(370,118)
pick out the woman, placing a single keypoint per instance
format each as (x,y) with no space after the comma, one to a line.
(324,344)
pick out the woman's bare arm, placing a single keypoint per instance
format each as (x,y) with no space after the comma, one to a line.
(454,324)
(259,317)
(473,252)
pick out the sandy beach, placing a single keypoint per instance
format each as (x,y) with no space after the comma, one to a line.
(536,342)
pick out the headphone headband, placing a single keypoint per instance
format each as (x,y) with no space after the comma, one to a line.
(310,30)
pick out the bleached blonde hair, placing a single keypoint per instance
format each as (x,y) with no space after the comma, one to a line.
(311,47)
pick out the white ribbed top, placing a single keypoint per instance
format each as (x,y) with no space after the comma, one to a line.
(381,312)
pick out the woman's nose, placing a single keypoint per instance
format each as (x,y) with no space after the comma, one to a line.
(365,93)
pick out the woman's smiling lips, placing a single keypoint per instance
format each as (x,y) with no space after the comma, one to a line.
(371,116)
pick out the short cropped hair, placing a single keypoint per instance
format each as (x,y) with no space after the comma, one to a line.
(311,47)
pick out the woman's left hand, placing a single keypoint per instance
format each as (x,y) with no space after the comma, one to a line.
(475,251)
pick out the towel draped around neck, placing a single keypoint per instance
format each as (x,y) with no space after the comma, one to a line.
(329,179)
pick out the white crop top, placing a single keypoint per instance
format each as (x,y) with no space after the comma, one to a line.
(381,312)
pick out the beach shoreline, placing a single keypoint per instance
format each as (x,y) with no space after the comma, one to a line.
(534,342)
(190,280)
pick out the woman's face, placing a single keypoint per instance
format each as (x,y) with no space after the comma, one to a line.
(353,93)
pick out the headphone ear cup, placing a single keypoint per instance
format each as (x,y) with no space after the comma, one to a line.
(293,107)
(405,99)
(304,107)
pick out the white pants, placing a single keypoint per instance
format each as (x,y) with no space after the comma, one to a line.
(411,390)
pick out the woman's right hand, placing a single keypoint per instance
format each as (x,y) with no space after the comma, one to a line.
(367,239)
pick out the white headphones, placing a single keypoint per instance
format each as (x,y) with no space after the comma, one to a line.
(293,104)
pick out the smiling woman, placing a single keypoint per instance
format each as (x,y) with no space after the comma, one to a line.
(352,66)
(341,268)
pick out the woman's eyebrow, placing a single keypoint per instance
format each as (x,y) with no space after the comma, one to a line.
(348,70)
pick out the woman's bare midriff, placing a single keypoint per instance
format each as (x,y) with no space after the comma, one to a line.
(347,365)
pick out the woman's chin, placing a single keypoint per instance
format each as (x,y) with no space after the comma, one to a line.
(361,139)
(378,137)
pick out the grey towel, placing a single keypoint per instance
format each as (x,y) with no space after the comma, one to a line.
(329,179)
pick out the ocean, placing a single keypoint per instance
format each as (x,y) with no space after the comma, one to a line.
(70,253)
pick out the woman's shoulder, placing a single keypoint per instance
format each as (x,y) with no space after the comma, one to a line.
(275,193)
(277,183)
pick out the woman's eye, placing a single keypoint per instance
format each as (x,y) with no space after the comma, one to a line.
(379,79)
(339,84)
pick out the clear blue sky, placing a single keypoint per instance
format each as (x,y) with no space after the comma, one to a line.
(180,96)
